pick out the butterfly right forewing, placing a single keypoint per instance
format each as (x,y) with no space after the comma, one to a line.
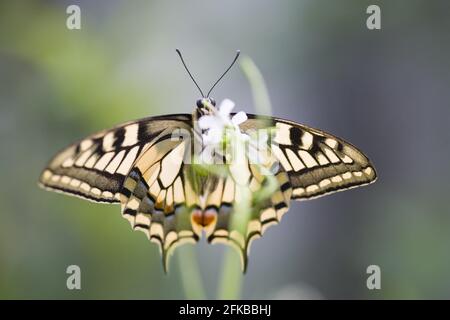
(317,162)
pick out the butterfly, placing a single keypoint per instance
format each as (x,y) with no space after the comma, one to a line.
(142,166)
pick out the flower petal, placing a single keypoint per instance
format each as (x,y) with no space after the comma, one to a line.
(225,108)
(216,137)
(207,122)
(213,136)
(239,117)
(245,137)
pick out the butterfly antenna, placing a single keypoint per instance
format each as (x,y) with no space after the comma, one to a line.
(231,65)
(184,64)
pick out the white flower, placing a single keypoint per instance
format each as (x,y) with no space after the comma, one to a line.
(216,124)
(219,123)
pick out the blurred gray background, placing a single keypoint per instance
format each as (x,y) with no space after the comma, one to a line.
(386,91)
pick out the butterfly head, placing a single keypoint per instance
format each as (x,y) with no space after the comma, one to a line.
(204,105)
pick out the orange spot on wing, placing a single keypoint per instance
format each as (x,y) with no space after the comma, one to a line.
(209,217)
(205,218)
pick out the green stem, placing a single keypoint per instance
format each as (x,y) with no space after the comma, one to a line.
(231,281)
(190,275)
(259,89)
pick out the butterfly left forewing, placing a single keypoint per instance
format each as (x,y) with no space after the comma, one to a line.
(95,167)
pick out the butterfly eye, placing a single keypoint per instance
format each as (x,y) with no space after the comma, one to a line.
(199,103)
(213,102)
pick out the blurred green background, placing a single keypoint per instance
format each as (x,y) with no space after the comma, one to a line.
(386,91)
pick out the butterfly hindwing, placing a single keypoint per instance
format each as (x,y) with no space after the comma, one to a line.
(95,167)
(157,198)
(225,192)
(262,216)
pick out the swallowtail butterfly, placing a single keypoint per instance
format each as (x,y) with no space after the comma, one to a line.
(142,167)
